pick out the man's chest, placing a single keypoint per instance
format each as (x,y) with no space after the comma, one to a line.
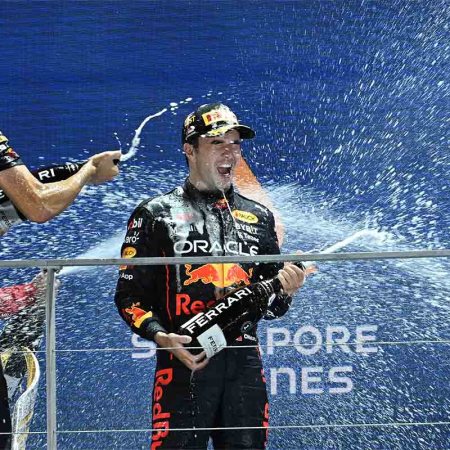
(213,231)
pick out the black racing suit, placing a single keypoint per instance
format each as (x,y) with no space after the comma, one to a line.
(230,391)
(8,158)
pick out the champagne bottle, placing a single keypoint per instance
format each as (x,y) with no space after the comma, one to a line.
(232,315)
(9,215)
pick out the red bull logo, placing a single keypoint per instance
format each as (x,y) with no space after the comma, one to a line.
(135,312)
(220,275)
(137,315)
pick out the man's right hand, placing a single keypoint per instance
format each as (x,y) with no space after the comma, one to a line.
(105,166)
(174,343)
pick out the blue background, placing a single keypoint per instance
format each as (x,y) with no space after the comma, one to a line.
(350,102)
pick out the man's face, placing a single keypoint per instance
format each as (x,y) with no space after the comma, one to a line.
(212,164)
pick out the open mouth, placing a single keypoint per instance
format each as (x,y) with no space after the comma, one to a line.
(224,169)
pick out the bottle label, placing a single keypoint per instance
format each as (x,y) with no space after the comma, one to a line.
(212,340)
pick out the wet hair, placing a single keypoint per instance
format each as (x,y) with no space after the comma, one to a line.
(194,142)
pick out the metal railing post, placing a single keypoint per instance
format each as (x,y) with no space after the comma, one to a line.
(51,359)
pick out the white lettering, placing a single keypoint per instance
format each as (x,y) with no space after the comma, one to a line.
(362,337)
(308,379)
(190,327)
(201,245)
(236,248)
(202,320)
(286,371)
(220,307)
(143,344)
(271,342)
(331,339)
(334,377)
(47,174)
(135,224)
(132,239)
(307,348)
(210,314)
(243,293)
(309,340)
(251,338)
(314,380)
(126,276)
(180,247)
(231,300)
(248,228)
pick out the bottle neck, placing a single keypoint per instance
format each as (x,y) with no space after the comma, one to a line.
(276,285)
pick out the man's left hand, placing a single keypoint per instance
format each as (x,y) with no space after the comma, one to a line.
(292,278)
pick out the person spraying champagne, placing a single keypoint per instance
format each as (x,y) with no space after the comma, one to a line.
(39,199)
(10,215)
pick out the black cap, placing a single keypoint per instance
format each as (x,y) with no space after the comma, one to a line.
(212,120)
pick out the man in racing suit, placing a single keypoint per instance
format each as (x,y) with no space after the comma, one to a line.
(203,217)
(39,203)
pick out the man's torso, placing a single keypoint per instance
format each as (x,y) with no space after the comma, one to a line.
(188,224)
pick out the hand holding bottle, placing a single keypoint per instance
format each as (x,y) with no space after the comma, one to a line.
(175,343)
(292,278)
(105,166)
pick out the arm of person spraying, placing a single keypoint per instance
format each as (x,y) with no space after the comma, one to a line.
(41,202)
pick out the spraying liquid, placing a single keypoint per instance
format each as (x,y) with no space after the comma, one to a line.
(137,136)
(105,250)
(372,234)
(118,141)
